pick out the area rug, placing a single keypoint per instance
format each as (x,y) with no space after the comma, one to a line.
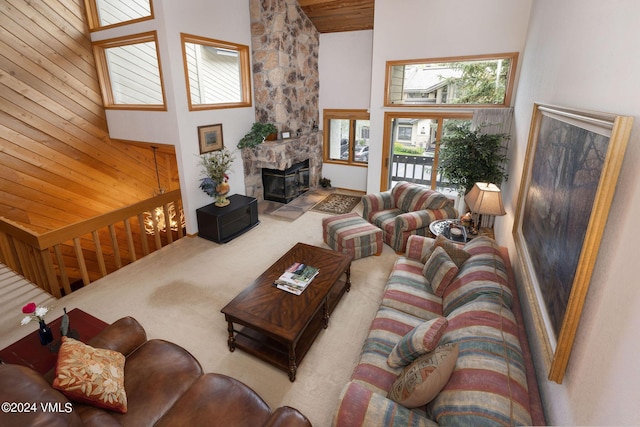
(336,203)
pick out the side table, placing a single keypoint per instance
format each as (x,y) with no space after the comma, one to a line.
(222,224)
(29,352)
(442,227)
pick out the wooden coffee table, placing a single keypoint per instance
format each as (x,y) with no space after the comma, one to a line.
(29,352)
(279,327)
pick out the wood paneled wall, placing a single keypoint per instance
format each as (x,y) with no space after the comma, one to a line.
(57,162)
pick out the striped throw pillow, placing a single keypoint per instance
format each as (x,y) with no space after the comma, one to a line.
(422,339)
(439,271)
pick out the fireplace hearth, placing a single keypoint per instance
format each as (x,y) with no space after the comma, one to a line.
(285,185)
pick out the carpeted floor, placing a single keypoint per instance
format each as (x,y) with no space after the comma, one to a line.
(177,294)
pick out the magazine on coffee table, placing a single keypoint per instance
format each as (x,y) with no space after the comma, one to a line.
(296,278)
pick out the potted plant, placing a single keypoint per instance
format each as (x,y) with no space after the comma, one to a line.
(215,166)
(258,133)
(469,156)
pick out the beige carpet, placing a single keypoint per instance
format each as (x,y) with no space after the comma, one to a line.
(177,293)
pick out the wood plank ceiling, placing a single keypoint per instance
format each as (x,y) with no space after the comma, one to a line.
(330,16)
(57,162)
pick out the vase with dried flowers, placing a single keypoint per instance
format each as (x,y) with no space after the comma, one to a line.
(215,166)
(33,312)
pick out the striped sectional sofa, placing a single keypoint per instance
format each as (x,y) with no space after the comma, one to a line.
(492,384)
(405,210)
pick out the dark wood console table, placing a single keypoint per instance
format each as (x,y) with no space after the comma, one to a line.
(226,223)
(29,352)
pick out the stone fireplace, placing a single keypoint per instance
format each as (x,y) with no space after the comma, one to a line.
(285,185)
(281,155)
(286,89)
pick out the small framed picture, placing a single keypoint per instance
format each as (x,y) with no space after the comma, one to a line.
(210,137)
(286,135)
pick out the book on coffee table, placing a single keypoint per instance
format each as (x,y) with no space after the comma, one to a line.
(296,278)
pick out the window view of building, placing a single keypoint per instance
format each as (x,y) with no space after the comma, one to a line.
(346,135)
(415,144)
(481,80)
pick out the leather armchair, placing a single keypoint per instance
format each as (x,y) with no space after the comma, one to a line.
(165,386)
(405,210)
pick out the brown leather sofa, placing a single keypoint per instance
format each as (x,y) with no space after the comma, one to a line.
(164,383)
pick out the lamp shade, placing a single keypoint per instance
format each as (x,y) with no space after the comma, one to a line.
(485,199)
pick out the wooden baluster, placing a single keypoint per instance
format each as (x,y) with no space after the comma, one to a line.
(23,260)
(38,269)
(62,268)
(7,249)
(132,248)
(51,278)
(99,255)
(167,223)
(179,214)
(116,249)
(156,231)
(143,235)
(81,262)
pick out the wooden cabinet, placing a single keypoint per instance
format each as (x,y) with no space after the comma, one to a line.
(224,224)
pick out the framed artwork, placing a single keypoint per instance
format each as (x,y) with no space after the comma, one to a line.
(569,177)
(210,137)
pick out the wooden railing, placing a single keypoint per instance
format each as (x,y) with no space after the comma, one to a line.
(416,169)
(59,260)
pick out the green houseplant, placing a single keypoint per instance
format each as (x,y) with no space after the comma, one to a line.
(469,156)
(257,134)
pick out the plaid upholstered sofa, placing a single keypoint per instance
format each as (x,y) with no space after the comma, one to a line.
(405,210)
(492,383)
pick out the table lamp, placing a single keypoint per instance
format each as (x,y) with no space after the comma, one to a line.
(485,202)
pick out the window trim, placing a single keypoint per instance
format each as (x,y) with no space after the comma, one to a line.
(93,18)
(102,66)
(513,56)
(342,114)
(245,71)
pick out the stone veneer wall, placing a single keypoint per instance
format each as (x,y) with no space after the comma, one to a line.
(285,65)
(286,89)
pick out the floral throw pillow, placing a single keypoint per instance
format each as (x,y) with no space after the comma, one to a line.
(90,375)
(420,382)
(439,271)
(420,340)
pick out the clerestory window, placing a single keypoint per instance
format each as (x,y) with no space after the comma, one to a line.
(479,80)
(103,14)
(217,73)
(129,72)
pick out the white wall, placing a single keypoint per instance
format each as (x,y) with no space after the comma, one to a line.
(344,63)
(414,29)
(178,126)
(584,54)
